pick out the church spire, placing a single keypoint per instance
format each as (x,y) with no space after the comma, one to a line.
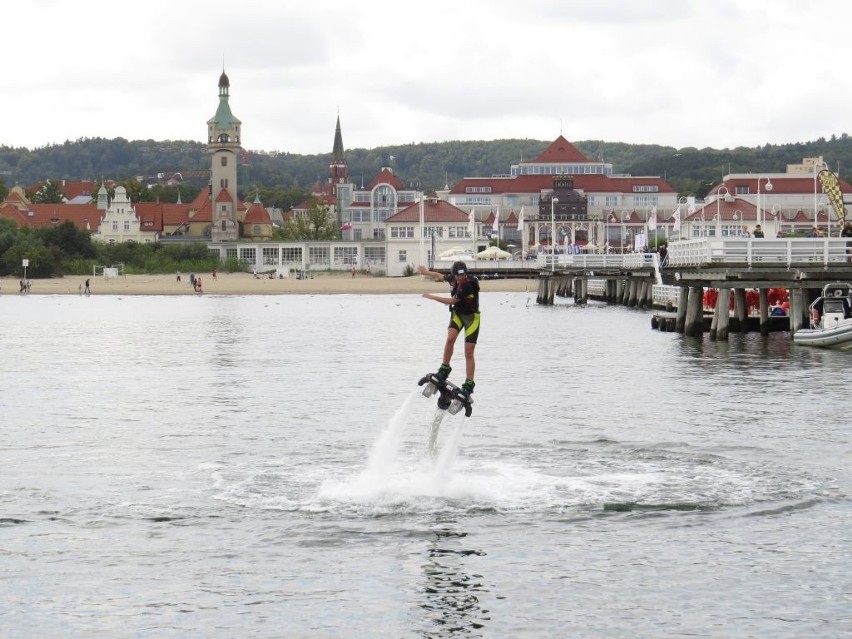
(338,172)
(337,150)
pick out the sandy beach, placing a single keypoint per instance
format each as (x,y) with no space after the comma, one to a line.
(247,284)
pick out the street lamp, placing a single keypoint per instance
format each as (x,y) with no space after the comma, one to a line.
(817,168)
(682,200)
(718,213)
(768,185)
(553,202)
(824,202)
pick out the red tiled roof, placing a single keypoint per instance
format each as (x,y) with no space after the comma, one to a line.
(223,196)
(150,215)
(74,189)
(433,211)
(256,214)
(743,209)
(386,176)
(560,151)
(84,216)
(793,183)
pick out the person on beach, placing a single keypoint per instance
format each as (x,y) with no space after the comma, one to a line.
(86,289)
(464,314)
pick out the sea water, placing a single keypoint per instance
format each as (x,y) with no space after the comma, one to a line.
(259,467)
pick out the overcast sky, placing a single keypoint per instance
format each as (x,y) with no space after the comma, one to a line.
(685,73)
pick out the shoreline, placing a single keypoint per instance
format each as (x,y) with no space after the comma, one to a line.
(247,284)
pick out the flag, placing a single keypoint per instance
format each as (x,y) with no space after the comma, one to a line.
(676,218)
(496,224)
(521,219)
(690,205)
(652,220)
(470,224)
(346,227)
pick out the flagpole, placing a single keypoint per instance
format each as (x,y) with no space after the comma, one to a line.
(471,223)
(422,215)
(523,234)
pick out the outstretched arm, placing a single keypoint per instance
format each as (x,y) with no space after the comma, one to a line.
(438,277)
(440,298)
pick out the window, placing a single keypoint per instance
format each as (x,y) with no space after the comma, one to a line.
(115,225)
(374,254)
(477,189)
(481,200)
(437,230)
(384,197)
(270,255)
(255,229)
(402,232)
(248,255)
(402,256)
(645,200)
(346,254)
(224,160)
(318,255)
(645,188)
(126,225)
(291,254)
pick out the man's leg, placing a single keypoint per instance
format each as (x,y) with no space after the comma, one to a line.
(469,361)
(450,344)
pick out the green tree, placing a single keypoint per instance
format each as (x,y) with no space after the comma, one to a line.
(4,191)
(320,223)
(71,242)
(48,193)
(42,261)
(138,192)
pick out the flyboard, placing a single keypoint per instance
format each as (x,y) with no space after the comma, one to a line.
(450,400)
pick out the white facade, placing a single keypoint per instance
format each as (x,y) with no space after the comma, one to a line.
(120,222)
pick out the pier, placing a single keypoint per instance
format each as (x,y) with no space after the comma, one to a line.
(800,266)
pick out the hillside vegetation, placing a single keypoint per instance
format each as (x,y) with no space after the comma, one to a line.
(425,166)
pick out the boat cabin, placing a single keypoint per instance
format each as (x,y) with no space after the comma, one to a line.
(833,306)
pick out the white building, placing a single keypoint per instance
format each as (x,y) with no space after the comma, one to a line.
(119,222)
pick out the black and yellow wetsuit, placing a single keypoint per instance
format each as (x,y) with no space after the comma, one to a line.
(465,313)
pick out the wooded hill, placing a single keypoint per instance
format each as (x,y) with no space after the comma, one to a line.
(425,166)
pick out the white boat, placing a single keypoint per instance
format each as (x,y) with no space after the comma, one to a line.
(831,319)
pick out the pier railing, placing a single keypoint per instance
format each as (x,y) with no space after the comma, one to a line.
(597,260)
(789,252)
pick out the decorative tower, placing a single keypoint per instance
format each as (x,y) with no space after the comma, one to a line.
(339,186)
(223,147)
(338,173)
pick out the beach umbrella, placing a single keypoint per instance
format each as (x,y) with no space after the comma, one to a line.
(455,250)
(493,253)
